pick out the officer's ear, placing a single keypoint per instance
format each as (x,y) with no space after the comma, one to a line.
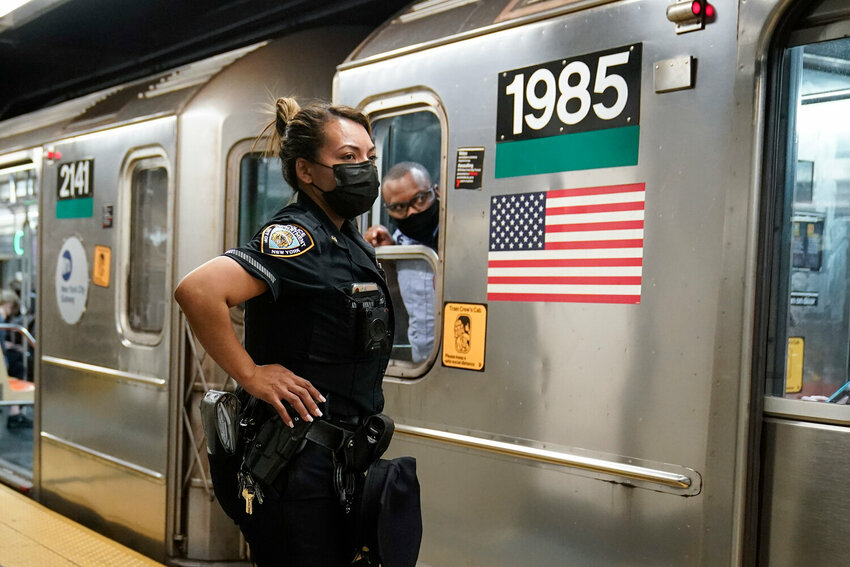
(437,189)
(303,169)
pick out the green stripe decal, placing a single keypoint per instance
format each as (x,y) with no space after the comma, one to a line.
(75,208)
(613,147)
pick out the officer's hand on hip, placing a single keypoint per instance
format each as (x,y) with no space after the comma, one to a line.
(273,383)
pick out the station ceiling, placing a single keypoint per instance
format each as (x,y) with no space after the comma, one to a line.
(74,47)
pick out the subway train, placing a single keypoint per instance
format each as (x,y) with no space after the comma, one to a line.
(641,266)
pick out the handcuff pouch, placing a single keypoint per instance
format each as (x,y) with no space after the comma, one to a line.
(368,442)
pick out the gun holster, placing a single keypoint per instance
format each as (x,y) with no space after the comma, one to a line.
(273,447)
(220,417)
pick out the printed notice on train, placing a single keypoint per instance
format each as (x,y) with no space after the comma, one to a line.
(470,165)
(464,335)
(102,263)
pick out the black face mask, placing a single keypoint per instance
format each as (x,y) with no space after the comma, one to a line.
(422,226)
(356,188)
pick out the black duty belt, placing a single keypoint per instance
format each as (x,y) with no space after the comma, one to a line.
(327,434)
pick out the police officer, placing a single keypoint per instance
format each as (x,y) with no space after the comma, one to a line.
(305,343)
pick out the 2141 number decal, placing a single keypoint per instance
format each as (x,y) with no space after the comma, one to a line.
(75,180)
(589,92)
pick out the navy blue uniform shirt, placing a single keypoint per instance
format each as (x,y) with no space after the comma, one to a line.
(305,320)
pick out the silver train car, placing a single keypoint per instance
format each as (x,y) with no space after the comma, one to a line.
(638,338)
(136,186)
(641,284)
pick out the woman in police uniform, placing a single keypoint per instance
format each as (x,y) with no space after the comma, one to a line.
(303,343)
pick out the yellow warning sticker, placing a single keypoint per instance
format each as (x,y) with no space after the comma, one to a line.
(794,368)
(100,273)
(464,335)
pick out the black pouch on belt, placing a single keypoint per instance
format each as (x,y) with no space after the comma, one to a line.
(368,443)
(273,447)
(220,416)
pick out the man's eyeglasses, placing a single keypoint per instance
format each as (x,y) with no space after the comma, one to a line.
(416,202)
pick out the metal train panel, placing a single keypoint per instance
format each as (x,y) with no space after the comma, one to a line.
(801,508)
(580,379)
(123,505)
(105,345)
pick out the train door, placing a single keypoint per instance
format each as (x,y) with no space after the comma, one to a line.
(105,315)
(255,189)
(19,189)
(806,427)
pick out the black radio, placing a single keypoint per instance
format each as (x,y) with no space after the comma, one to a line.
(371,316)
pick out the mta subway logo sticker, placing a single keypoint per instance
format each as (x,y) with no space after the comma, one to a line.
(286,240)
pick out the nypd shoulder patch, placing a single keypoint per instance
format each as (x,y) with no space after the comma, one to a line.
(286,240)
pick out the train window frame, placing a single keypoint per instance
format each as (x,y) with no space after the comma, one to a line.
(25,206)
(389,105)
(148,158)
(778,221)
(231,194)
(238,152)
(232,214)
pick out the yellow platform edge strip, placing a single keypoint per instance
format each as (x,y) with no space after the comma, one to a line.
(31,534)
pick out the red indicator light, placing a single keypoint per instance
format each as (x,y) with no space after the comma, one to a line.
(696,7)
(54,155)
(709,11)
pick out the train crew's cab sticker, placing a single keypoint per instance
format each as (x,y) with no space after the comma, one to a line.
(101,270)
(570,114)
(285,240)
(794,372)
(470,164)
(582,245)
(72,280)
(74,189)
(464,335)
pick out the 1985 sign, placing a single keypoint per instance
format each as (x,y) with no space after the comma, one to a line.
(589,92)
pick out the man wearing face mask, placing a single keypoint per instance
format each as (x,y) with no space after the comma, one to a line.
(413,203)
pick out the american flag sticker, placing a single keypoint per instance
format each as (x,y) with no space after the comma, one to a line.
(568,245)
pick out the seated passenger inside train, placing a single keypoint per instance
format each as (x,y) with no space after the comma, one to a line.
(14,353)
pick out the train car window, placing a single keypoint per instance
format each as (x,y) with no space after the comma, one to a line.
(410,149)
(262,192)
(148,254)
(18,225)
(18,183)
(412,137)
(813,299)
